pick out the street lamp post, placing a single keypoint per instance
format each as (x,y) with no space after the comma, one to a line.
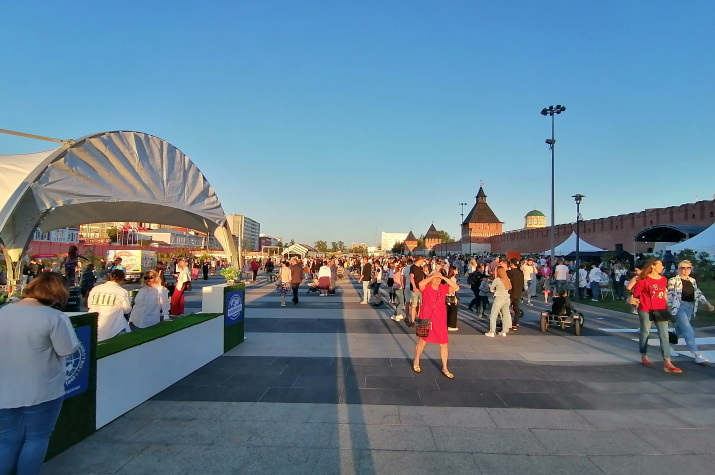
(462,223)
(578,197)
(551,110)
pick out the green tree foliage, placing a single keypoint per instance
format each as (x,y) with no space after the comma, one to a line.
(112,234)
(703,265)
(337,246)
(445,236)
(321,246)
(421,240)
(358,250)
(398,248)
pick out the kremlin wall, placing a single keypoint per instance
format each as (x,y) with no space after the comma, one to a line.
(482,230)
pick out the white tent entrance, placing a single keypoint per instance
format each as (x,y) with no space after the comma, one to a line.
(703,242)
(111,176)
(569,246)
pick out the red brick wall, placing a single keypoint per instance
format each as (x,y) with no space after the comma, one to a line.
(607,232)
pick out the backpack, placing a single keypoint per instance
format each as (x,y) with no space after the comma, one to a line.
(472,278)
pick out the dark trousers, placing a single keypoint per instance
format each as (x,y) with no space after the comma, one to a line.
(515,306)
(294,287)
(452,316)
(475,300)
(255,274)
(206,274)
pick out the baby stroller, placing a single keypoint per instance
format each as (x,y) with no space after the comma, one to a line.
(313,287)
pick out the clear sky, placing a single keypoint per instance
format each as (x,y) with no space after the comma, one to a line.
(338,120)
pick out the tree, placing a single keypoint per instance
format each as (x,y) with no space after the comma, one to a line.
(321,246)
(445,236)
(112,234)
(398,248)
(421,240)
(340,246)
(291,242)
(358,250)
(280,245)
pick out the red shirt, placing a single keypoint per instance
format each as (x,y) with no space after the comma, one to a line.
(651,293)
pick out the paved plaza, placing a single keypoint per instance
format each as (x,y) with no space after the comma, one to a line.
(327,387)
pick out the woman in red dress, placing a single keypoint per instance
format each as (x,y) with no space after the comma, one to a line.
(435,288)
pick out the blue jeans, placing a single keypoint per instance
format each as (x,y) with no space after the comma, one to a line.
(645,332)
(24,436)
(683,327)
(560,285)
(595,290)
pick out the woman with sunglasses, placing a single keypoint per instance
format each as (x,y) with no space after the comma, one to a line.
(683,297)
(151,302)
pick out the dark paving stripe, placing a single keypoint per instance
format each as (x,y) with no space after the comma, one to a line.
(382,325)
(476,384)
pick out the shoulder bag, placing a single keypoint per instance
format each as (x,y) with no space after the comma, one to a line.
(657,315)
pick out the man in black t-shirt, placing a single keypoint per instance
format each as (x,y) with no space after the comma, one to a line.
(416,276)
(516,277)
(365,277)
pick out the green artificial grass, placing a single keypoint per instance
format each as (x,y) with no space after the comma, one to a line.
(138,337)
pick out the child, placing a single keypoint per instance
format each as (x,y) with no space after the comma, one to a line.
(483,296)
(562,305)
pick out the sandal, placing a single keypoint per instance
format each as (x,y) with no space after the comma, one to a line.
(447,374)
(672,369)
(416,368)
(645,361)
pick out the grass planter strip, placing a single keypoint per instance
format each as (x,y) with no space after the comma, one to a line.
(138,337)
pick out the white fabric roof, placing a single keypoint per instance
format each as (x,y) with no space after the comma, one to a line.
(569,246)
(111,176)
(703,242)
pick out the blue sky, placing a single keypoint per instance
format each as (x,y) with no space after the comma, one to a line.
(339,120)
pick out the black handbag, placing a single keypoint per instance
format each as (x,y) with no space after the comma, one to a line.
(451,300)
(660,316)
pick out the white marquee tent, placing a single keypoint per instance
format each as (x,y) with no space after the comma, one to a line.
(569,246)
(703,242)
(110,176)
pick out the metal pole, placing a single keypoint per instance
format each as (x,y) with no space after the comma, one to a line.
(552,236)
(578,238)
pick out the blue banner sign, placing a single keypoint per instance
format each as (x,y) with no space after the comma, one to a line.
(77,365)
(233,307)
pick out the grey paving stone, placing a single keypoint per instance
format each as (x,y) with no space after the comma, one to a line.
(119,430)
(537,418)
(535,464)
(365,462)
(188,460)
(545,401)
(303,395)
(632,387)
(631,419)
(259,411)
(692,400)
(450,398)
(407,397)
(700,417)
(680,441)
(622,402)
(486,441)
(93,457)
(183,410)
(655,464)
(686,387)
(445,416)
(355,414)
(593,442)
(361,436)
(551,387)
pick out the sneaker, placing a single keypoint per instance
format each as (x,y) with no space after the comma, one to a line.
(700,359)
(502,333)
(397,318)
(489,334)
(452,329)
(594,300)
(363,303)
(283,304)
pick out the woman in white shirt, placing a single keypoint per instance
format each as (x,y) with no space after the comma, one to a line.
(111,302)
(34,341)
(377,277)
(151,302)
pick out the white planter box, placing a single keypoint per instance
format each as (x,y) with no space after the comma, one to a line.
(128,378)
(212,298)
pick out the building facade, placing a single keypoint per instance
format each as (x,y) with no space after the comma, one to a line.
(479,226)
(390,239)
(246,230)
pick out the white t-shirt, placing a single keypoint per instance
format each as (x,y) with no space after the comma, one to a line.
(561,272)
(324,271)
(149,304)
(34,341)
(111,302)
(529,272)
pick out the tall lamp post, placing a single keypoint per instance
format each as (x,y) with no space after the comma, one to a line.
(578,197)
(551,110)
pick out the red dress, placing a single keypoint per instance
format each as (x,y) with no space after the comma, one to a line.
(434,308)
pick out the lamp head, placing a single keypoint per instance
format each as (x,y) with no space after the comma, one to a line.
(578,197)
(544,111)
(550,141)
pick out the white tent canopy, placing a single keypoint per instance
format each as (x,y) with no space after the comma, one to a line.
(111,176)
(569,246)
(703,242)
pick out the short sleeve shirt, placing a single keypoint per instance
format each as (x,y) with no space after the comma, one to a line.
(418,274)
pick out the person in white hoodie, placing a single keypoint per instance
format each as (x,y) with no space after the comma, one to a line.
(151,302)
